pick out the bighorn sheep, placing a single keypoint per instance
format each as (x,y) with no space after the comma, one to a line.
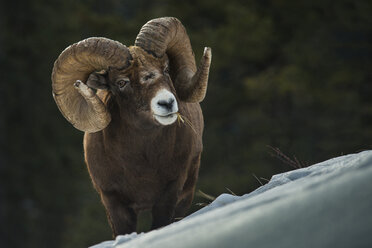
(127,101)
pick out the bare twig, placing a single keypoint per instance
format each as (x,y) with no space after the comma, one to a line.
(265,179)
(257,179)
(230,191)
(206,196)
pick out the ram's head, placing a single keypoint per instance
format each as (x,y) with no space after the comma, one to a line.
(146,80)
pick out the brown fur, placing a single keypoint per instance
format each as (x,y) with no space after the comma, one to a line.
(137,164)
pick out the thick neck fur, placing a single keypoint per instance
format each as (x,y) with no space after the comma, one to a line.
(144,140)
(154,150)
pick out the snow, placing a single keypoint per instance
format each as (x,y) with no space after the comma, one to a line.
(325,205)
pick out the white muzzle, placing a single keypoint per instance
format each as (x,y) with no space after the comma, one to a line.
(164,107)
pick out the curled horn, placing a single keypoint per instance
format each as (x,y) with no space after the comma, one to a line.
(80,105)
(168,35)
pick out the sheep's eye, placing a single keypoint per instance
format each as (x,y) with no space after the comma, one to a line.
(166,70)
(121,83)
(149,76)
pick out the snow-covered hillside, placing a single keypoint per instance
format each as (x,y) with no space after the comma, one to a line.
(325,205)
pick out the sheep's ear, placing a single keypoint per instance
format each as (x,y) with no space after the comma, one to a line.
(98,80)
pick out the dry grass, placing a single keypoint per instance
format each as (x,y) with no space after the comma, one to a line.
(183,120)
(294,163)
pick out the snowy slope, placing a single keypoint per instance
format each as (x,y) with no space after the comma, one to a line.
(325,205)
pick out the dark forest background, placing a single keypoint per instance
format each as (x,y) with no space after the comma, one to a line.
(296,75)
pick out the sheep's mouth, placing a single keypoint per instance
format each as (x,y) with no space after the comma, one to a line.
(166,119)
(166,116)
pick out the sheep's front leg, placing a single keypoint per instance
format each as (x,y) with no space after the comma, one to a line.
(163,210)
(187,195)
(122,218)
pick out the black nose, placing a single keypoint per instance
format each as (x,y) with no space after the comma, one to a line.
(167,104)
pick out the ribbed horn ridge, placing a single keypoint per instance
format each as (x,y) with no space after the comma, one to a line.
(168,35)
(81,106)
